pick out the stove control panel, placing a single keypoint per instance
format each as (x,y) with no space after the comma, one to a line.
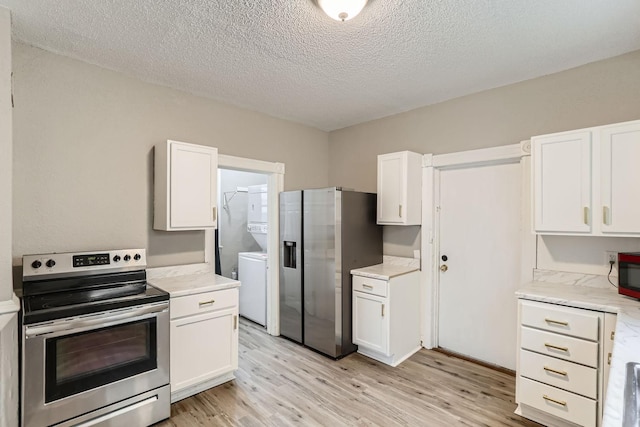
(35,267)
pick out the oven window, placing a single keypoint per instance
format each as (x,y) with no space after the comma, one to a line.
(86,360)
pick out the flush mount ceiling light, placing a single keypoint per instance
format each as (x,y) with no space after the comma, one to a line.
(342,10)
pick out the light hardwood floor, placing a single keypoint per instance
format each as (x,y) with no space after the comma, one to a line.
(280,383)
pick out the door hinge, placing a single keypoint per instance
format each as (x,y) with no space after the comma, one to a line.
(235,322)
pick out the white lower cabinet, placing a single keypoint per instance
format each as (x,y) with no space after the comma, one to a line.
(370,325)
(562,363)
(386,317)
(204,341)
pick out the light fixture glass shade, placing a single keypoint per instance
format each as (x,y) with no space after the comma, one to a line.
(342,10)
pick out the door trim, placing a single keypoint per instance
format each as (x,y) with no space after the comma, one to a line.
(430,239)
(275,185)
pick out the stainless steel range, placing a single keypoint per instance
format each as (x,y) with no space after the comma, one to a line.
(95,341)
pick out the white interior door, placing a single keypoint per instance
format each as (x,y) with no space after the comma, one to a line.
(479,229)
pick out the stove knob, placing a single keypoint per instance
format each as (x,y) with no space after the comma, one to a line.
(137,257)
(116,258)
(36,264)
(51,263)
(127,257)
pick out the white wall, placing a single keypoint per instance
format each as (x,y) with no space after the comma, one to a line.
(232,222)
(582,254)
(83,155)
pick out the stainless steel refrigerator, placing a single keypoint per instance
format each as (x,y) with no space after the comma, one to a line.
(324,233)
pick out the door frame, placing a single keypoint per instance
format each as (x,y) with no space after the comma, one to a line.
(275,185)
(430,233)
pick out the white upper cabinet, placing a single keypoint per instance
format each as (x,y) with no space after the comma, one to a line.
(620,177)
(185,186)
(399,188)
(562,182)
(585,181)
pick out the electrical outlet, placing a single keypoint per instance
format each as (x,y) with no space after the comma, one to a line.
(612,256)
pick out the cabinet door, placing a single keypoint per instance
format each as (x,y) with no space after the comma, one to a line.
(203,347)
(391,188)
(562,183)
(620,177)
(193,181)
(370,322)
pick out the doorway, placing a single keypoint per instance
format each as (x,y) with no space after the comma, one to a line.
(475,247)
(241,178)
(242,238)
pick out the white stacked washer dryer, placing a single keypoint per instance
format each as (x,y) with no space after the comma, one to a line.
(252,266)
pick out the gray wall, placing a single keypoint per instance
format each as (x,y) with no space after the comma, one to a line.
(6,289)
(232,222)
(8,318)
(594,94)
(83,139)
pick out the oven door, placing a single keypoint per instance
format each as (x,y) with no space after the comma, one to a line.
(74,366)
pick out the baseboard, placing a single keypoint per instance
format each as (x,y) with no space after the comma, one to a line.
(198,388)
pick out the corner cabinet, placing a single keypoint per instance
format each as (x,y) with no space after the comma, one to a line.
(204,341)
(386,317)
(563,363)
(399,188)
(585,182)
(185,186)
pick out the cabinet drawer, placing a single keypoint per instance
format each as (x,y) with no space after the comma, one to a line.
(565,320)
(202,303)
(562,404)
(561,346)
(559,373)
(370,286)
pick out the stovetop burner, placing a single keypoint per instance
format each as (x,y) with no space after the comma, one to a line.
(80,284)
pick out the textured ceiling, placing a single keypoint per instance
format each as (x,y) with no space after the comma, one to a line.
(287,59)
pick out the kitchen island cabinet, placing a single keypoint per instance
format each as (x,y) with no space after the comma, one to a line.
(569,369)
(203,331)
(386,312)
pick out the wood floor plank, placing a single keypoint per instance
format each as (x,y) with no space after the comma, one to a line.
(280,383)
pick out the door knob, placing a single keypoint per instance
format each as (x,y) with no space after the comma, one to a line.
(444,268)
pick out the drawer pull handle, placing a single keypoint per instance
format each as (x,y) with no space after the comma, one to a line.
(557,322)
(206,302)
(550,399)
(382,310)
(368,287)
(555,371)
(556,347)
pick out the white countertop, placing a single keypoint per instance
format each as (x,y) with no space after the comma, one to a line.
(626,345)
(383,271)
(190,284)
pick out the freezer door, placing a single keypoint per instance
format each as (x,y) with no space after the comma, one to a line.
(291,265)
(322,286)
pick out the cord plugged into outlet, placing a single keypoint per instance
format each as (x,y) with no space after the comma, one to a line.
(612,260)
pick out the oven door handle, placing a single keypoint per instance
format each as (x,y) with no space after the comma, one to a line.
(96,322)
